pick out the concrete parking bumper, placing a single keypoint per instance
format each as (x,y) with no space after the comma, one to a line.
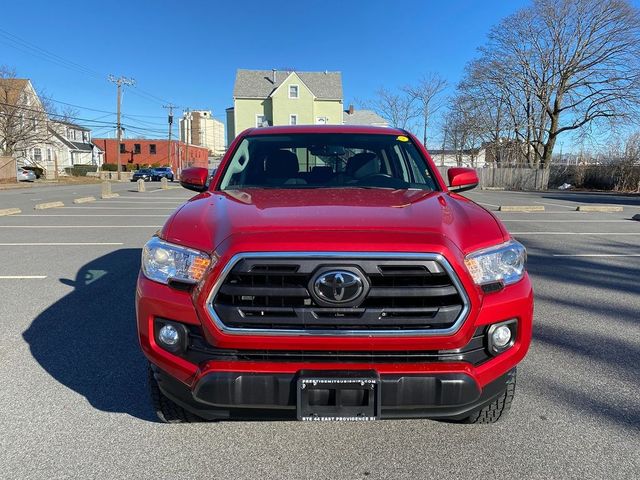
(84,200)
(44,206)
(521,208)
(9,211)
(599,208)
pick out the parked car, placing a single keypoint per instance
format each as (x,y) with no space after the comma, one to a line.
(145,174)
(24,175)
(39,172)
(330,273)
(162,172)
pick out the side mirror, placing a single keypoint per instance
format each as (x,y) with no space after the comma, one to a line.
(194,178)
(462,179)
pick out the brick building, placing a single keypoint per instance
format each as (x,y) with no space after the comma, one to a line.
(142,152)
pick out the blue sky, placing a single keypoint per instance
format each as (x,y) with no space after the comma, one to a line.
(188,52)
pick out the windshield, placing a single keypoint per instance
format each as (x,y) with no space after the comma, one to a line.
(144,170)
(327,161)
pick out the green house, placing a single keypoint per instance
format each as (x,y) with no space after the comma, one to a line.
(280,97)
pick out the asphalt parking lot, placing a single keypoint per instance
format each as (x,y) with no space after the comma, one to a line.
(74,404)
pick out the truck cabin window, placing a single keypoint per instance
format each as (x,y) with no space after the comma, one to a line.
(303,161)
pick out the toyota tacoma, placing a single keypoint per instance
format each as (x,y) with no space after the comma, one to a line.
(329,273)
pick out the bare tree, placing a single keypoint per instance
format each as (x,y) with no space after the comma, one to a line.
(399,109)
(463,129)
(23,116)
(563,65)
(427,93)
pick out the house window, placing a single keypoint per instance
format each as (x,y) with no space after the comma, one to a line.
(293,119)
(37,155)
(136,148)
(152,149)
(322,120)
(293,91)
(261,121)
(48,154)
(123,148)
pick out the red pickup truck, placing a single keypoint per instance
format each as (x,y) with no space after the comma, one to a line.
(329,273)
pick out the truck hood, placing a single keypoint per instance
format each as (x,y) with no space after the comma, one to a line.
(208,219)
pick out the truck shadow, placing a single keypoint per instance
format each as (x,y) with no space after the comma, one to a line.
(87,340)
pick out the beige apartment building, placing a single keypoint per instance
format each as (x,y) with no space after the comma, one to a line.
(199,127)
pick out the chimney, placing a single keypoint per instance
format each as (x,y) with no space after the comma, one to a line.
(351,109)
(273,71)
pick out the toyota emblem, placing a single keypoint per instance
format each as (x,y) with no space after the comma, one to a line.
(338,286)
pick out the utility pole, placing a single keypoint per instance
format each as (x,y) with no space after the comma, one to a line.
(187,136)
(170,107)
(119,81)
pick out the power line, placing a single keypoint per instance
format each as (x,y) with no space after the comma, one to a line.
(24,46)
(89,121)
(27,47)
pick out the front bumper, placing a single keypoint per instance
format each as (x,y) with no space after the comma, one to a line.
(225,395)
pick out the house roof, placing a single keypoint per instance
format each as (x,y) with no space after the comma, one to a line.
(11,88)
(363,117)
(72,125)
(80,146)
(260,84)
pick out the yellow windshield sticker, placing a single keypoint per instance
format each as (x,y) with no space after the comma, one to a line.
(402,138)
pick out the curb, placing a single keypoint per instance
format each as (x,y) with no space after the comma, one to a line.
(521,208)
(110,195)
(9,211)
(599,208)
(84,199)
(43,206)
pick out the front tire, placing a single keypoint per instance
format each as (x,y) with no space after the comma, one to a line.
(498,408)
(166,409)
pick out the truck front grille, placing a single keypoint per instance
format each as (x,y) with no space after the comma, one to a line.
(417,294)
(474,352)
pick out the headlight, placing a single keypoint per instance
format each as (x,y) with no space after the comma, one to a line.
(162,261)
(502,263)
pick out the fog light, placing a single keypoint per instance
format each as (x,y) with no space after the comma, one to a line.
(501,336)
(169,336)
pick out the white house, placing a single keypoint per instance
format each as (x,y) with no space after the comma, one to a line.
(70,145)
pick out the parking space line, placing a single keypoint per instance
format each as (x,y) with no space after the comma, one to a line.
(575,233)
(90,215)
(143,199)
(22,277)
(603,255)
(59,244)
(533,220)
(145,202)
(80,226)
(121,208)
